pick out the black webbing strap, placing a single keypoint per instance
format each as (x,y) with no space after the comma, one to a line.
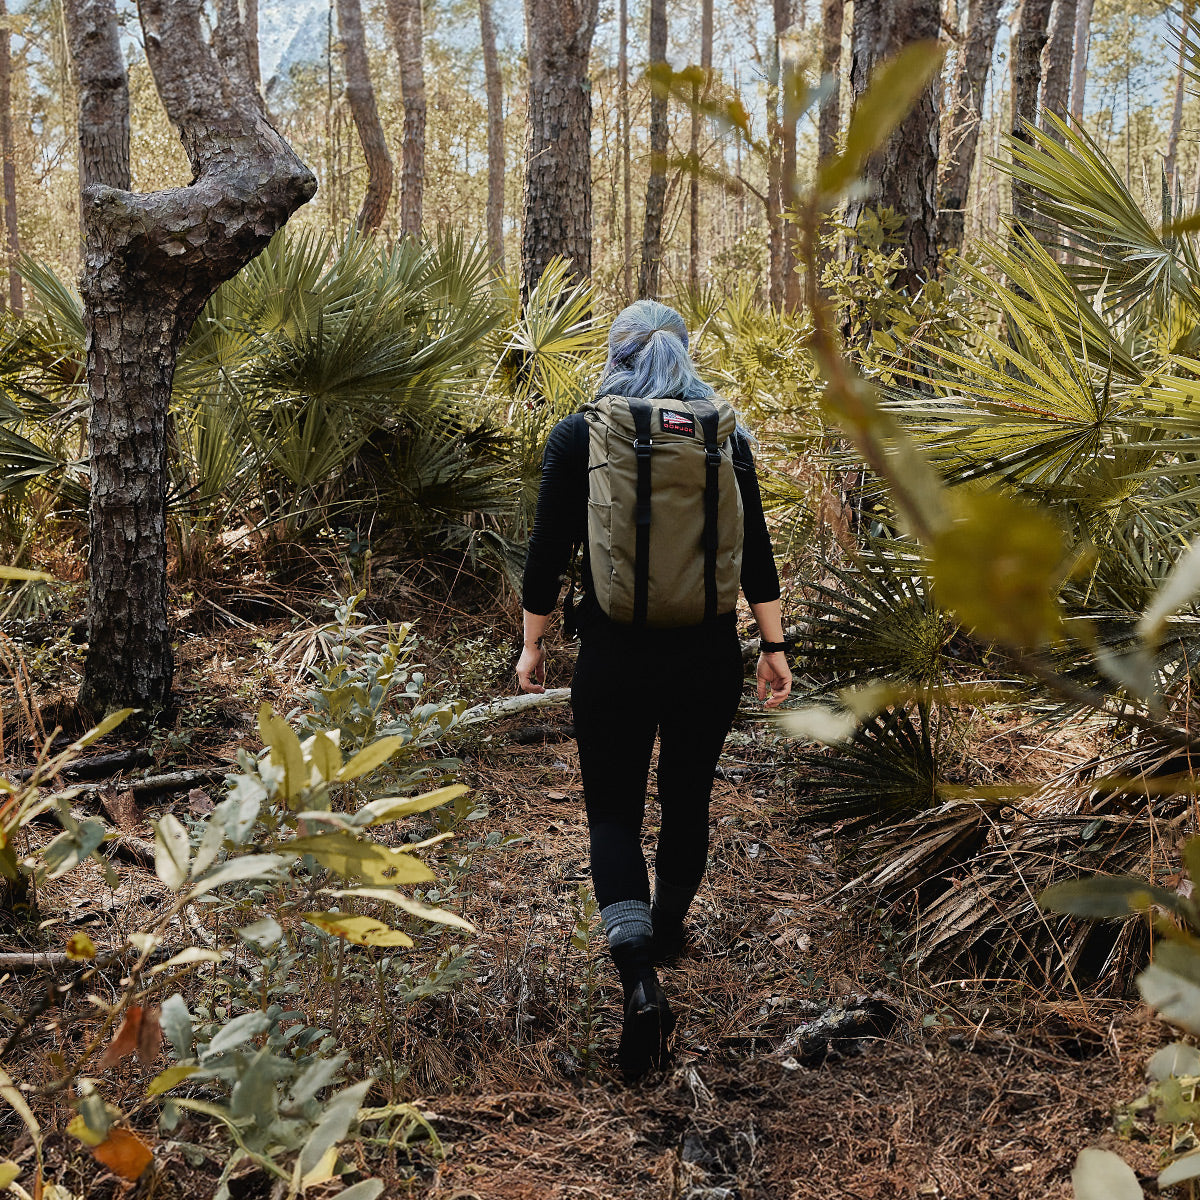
(643,415)
(706,414)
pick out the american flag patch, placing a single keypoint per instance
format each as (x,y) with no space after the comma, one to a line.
(678,422)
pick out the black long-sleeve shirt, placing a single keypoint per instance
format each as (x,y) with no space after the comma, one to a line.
(561,524)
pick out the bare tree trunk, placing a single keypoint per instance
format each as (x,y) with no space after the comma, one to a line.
(830,115)
(787,16)
(1083,37)
(623,86)
(7,154)
(706,43)
(774,198)
(494,87)
(1169,165)
(151,263)
(235,43)
(1060,50)
(656,186)
(361,96)
(408,32)
(558,156)
(1028,43)
(903,175)
(970,83)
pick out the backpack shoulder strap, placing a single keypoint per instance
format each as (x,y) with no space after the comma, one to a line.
(709,418)
(643,415)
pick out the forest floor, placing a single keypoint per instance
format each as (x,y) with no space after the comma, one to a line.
(811,1060)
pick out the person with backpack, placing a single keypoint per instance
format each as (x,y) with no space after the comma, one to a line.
(656,480)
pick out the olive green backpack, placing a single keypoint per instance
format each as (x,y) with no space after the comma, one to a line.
(664,510)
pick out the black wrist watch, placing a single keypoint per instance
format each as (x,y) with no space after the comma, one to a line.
(765,647)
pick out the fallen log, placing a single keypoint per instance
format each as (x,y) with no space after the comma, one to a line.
(99,766)
(508,705)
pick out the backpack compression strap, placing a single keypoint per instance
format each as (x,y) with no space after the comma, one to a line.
(643,415)
(707,415)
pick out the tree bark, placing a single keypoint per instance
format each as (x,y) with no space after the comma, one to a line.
(235,42)
(8,157)
(627,198)
(650,269)
(1029,41)
(706,43)
(361,96)
(408,34)
(494,87)
(558,156)
(786,16)
(829,116)
(970,82)
(1083,37)
(151,263)
(1060,50)
(1170,163)
(902,176)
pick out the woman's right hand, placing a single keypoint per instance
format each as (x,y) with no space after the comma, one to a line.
(531,669)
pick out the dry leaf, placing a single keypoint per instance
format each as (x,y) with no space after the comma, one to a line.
(80,947)
(200,802)
(556,795)
(149,1037)
(122,810)
(126,1040)
(123,1153)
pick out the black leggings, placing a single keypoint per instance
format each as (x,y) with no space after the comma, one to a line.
(684,685)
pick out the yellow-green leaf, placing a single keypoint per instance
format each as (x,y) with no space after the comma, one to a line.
(413,907)
(375,755)
(362,931)
(9,1091)
(278,737)
(24,574)
(323,752)
(105,727)
(392,808)
(349,856)
(78,1127)
(80,947)
(164,1081)
(8,1172)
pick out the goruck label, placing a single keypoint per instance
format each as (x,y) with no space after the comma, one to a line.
(678,422)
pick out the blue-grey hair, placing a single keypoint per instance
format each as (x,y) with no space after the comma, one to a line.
(648,355)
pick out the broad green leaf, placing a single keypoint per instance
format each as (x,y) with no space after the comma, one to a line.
(894,87)
(248,866)
(323,752)
(365,1189)
(1107,896)
(392,808)
(240,1029)
(368,759)
(164,1081)
(1176,998)
(335,1124)
(1175,1059)
(171,851)
(193,954)
(70,848)
(263,933)
(255,1095)
(176,1023)
(9,1171)
(1186,1167)
(412,907)
(317,1076)
(362,931)
(211,843)
(105,727)
(79,1129)
(348,856)
(1101,1175)
(24,574)
(1178,589)
(278,736)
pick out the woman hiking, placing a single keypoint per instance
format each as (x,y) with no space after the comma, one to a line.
(656,481)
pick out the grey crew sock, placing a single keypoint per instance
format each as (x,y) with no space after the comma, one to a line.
(672,900)
(627,921)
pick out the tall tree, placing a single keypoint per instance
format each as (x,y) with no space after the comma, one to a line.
(902,175)
(1029,40)
(361,95)
(789,24)
(1083,38)
(829,115)
(493,84)
(970,82)
(408,33)
(151,263)
(235,42)
(626,180)
(1058,56)
(558,154)
(698,89)
(8,157)
(650,268)
(1170,164)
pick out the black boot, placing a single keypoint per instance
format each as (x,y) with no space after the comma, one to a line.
(646,1033)
(669,938)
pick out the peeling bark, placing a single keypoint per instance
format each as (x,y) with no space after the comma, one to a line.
(151,262)
(558,157)
(493,84)
(361,96)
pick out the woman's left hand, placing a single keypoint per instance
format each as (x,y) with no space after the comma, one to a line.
(774,678)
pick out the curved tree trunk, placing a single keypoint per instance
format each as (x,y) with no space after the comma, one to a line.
(706,43)
(8,155)
(408,32)
(1060,50)
(656,186)
(558,155)
(1083,37)
(970,82)
(494,87)
(1028,43)
(903,175)
(151,263)
(361,96)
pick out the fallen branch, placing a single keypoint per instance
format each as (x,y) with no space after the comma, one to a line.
(34,960)
(100,766)
(508,705)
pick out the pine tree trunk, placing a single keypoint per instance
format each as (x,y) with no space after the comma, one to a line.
(361,95)
(626,180)
(650,268)
(494,88)
(903,175)
(408,33)
(1083,37)
(1170,163)
(774,198)
(1028,43)
(970,82)
(829,116)
(151,263)
(786,16)
(558,154)
(8,157)
(235,43)
(706,43)
(1060,50)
